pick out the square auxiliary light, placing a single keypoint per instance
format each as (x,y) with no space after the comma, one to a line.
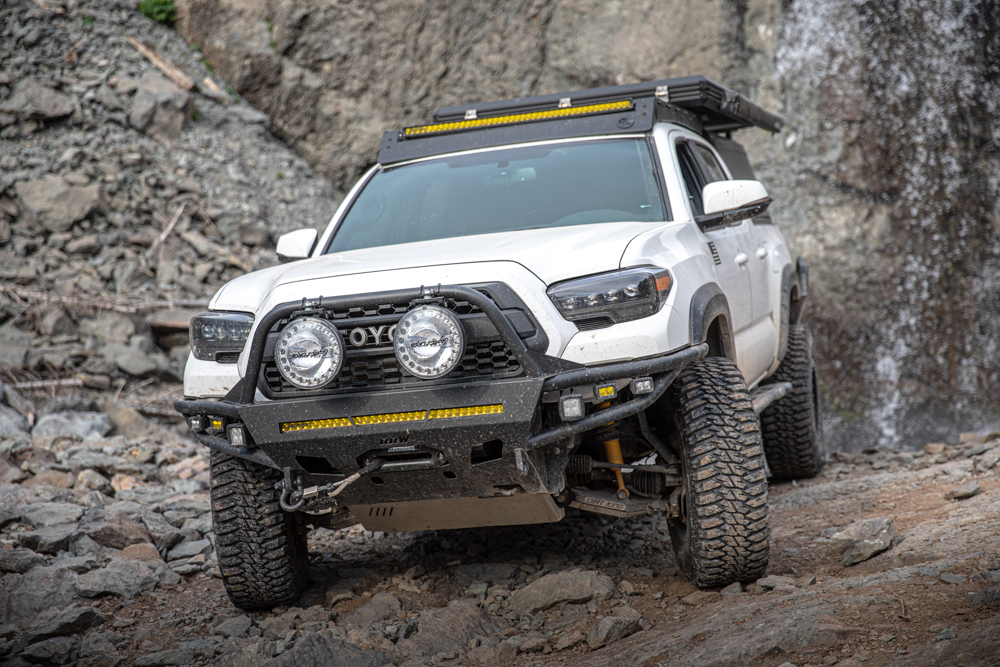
(572,407)
(642,386)
(197,423)
(605,392)
(236,436)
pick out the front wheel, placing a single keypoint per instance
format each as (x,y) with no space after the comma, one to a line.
(263,556)
(793,439)
(722,534)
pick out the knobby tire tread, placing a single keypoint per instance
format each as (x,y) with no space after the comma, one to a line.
(728,533)
(790,425)
(262,549)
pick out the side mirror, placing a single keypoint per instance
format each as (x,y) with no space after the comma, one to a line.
(729,202)
(298,244)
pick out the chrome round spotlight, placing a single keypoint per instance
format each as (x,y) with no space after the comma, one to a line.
(429,342)
(309,353)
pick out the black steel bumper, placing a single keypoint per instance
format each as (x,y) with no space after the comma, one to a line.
(443,454)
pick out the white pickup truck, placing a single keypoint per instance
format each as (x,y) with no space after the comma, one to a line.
(572,300)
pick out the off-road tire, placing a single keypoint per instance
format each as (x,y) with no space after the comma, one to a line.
(793,438)
(723,533)
(262,549)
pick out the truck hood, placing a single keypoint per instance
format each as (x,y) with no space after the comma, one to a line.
(550,254)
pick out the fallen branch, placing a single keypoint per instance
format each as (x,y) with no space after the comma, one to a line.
(172,71)
(166,232)
(128,305)
(151,411)
(48,384)
(45,5)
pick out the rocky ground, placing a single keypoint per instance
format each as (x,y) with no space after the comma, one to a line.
(107,554)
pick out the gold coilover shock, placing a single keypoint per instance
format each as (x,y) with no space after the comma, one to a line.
(608,434)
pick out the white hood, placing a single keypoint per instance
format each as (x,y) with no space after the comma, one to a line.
(550,254)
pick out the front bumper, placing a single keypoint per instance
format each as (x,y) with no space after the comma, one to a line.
(433,447)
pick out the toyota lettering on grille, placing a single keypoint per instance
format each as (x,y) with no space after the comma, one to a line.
(375,336)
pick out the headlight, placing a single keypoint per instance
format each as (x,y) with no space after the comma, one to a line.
(611,298)
(309,353)
(429,342)
(219,336)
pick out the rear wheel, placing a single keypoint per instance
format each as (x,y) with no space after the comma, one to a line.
(793,439)
(262,549)
(722,534)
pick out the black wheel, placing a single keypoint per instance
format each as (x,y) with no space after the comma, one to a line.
(261,548)
(793,438)
(722,534)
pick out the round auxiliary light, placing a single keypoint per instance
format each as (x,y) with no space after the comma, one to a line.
(429,342)
(309,353)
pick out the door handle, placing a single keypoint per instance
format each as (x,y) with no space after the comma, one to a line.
(762,253)
(742,258)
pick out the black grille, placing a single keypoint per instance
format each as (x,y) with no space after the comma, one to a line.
(375,365)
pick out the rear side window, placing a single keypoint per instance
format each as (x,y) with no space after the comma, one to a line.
(692,177)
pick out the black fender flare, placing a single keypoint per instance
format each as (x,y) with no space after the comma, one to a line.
(791,312)
(709,303)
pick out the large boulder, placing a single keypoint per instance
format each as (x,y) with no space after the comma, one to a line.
(160,108)
(553,589)
(124,578)
(31,99)
(447,630)
(24,596)
(56,204)
(70,423)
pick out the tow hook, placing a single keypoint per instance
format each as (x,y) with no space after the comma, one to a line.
(299,496)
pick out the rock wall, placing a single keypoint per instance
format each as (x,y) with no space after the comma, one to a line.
(884,177)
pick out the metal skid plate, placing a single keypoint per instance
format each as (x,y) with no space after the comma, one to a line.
(605,502)
(517,509)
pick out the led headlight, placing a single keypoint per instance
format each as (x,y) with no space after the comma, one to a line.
(219,336)
(429,342)
(309,353)
(615,297)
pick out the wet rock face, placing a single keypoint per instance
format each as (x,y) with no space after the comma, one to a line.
(881,178)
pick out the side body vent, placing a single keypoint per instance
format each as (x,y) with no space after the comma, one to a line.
(715,253)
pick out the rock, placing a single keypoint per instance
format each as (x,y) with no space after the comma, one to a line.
(447,629)
(30,99)
(53,478)
(11,420)
(48,540)
(143,552)
(174,656)
(247,114)
(58,651)
(987,460)
(24,596)
(107,98)
(56,204)
(124,578)
(732,590)
(986,596)
(159,107)
(561,587)
(14,346)
(321,648)
(10,473)
(951,578)
(71,620)
(234,627)
(88,244)
(129,359)
(772,580)
(127,421)
(114,531)
(41,515)
(963,492)
(96,643)
(365,639)
(569,640)
(381,608)
(193,548)
(699,598)
(624,622)
(934,448)
(91,479)
(19,560)
(335,595)
(69,423)
(274,627)
(862,540)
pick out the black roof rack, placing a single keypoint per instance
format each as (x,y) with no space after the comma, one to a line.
(693,101)
(719,108)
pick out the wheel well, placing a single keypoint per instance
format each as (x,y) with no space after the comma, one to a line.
(719,339)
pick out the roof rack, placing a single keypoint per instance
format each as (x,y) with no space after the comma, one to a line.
(719,108)
(694,101)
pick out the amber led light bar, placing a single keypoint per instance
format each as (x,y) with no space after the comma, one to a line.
(392,417)
(513,119)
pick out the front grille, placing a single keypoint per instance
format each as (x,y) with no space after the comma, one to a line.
(373,365)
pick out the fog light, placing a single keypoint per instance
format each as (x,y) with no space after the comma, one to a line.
(571,407)
(642,386)
(236,437)
(197,423)
(605,392)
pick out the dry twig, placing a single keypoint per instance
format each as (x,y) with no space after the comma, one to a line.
(172,71)
(128,305)
(166,232)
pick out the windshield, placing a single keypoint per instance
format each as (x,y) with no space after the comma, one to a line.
(530,187)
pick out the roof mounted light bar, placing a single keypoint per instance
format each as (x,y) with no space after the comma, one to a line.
(471,120)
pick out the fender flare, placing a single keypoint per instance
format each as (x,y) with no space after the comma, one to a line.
(791,313)
(709,303)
